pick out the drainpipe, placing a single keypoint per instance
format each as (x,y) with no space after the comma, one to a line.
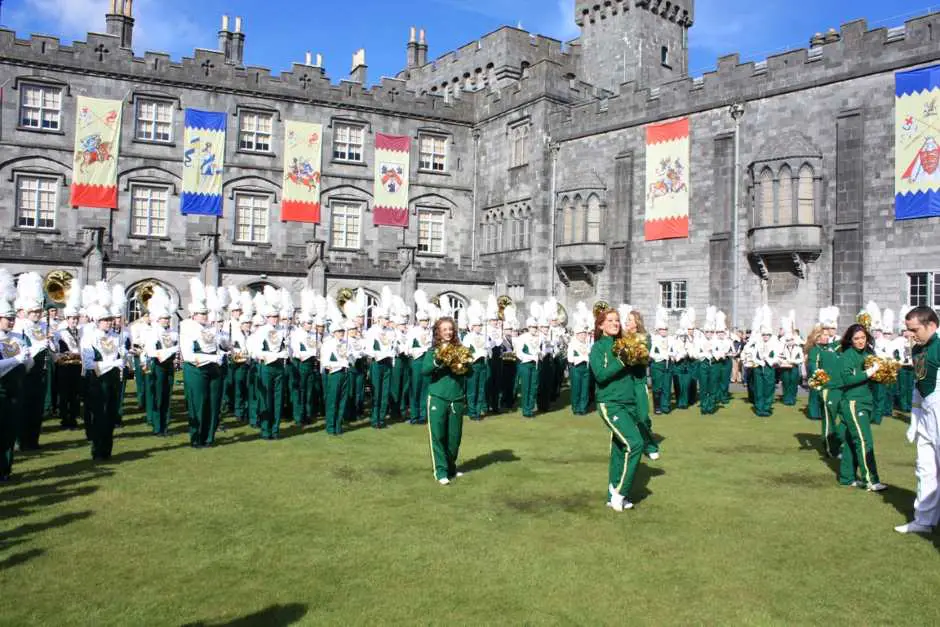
(737,112)
(473,226)
(553,148)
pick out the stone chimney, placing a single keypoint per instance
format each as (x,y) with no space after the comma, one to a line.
(120,21)
(359,67)
(238,43)
(422,49)
(412,50)
(225,40)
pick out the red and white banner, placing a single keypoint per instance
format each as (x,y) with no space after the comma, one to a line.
(97,139)
(301,199)
(667,180)
(392,158)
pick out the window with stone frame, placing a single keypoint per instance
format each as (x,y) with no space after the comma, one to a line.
(806,196)
(36,200)
(430,231)
(348,141)
(924,289)
(490,233)
(345,224)
(673,294)
(593,219)
(784,196)
(766,198)
(432,152)
(518,148)
(40,106)
(252,218)
(149,210)
(568,222)
(255,129)
(154,121)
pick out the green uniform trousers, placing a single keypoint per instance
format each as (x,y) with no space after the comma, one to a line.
(380,374)
(356,389)
(507,385)
(707,387)
(70,386)
(140,379)
(34,402)
(890,400)
(400,395)
(306,391)
(104,394)
(51,401)
(858,446)
(237,376)
(905,388)
(814,407)
(790,384)
(546,375)
(684,373)
(160,389)
(476,389)
(271,382)
(579,378)
(527,376)
(336,396)
(644,422)
(251,386)
(494,385)
(11,411)
(765,384)
(445,430)
(419,392)
(830,429)
(626,446)
(878,393)
(203,395)
(727,367)
(661,375)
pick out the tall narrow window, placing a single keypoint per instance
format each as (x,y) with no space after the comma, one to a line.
(347,141)
(785,196)
(766,198)
(430,232)
(578,230)
(517,145)
(255,131)
(251,218)
(569,221)
(36,202)
(433,153)
(918,294)
(154,120)
(806,205)
(594,219)
(149,211)
(345,224)
(41,107)
(672,294)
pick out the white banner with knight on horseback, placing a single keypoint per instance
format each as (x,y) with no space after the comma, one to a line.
(97,138)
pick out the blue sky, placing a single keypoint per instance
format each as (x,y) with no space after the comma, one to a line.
(278,32)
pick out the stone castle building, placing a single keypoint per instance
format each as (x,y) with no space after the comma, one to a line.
(528,167)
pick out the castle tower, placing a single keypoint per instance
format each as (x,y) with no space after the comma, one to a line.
(645,41)
(120,21)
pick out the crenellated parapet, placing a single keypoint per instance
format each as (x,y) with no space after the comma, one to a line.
(592,11)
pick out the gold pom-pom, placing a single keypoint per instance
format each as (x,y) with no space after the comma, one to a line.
(455,357)
(887,374)
(631,349)
(819,380)
(864,319)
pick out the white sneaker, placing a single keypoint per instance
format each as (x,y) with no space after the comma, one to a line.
(620,505)
(913,527)
(654,455)
(854,484)
(876,487)
(459,474)
(444,481)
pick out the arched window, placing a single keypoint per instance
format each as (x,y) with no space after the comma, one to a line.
(766,198)
(452,302)
(526,228)
(578,230)
(594,219)
(785,196)
(806,201)
(568,209)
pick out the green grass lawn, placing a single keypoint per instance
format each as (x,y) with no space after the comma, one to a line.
(740,522)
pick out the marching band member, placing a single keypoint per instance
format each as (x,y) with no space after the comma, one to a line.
(257,321)
(202,373)
(766,356)
(494,336)
(269,346)
(34,335)
(355,311)
(103,359)
(446,403)
(559,338)
(616,403)
(509,363)
(707,382)
(791,356)
(723,353)
(904,346)
(632,322)
(161,346)
(880,349)
(885,347)
(231,330)
(239,366)
(578,354)
(528,351)
(684,357)
(69,360)
(479,346)
(401,372)
(14,360)
(831,393)
(660,368)
(334,364)
(379,345)
(546,369)
(305,348)
(419,342)
(138,330)
(816,344)
(123,335)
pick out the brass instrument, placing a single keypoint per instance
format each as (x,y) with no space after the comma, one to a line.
(57,285)
(343,296)
(142,294)
(69,359)
(502,302)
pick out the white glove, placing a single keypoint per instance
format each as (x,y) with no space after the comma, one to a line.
(873,369)
(21,357)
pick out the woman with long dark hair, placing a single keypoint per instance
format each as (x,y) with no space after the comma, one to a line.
(446,403)
(856,409)
(616,403)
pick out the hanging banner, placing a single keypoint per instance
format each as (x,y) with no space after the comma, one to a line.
(203,159)
(392,154)
(667,180)
(301,199)
(916,153)
(97,139)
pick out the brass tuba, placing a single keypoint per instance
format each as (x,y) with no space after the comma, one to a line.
(57,285)
(343,296)
(143,293)
(501,303)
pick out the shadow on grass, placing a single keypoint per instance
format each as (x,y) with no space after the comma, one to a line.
(19,558)
(814,442)
(902,500)
(488,459)
(273,616)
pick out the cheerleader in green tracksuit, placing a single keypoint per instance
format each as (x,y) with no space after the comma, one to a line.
(855,411)
(816,345)
(446,404)
(616,403)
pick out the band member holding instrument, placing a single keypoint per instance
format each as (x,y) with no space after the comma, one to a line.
(270,347)
(14,360)
(103,359)
(34,335)
(161,347)
(67,341)
(202,373)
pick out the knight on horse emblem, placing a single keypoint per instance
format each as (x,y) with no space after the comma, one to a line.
(670,179)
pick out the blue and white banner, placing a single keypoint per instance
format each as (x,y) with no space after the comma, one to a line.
(916,148)
(203,159)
